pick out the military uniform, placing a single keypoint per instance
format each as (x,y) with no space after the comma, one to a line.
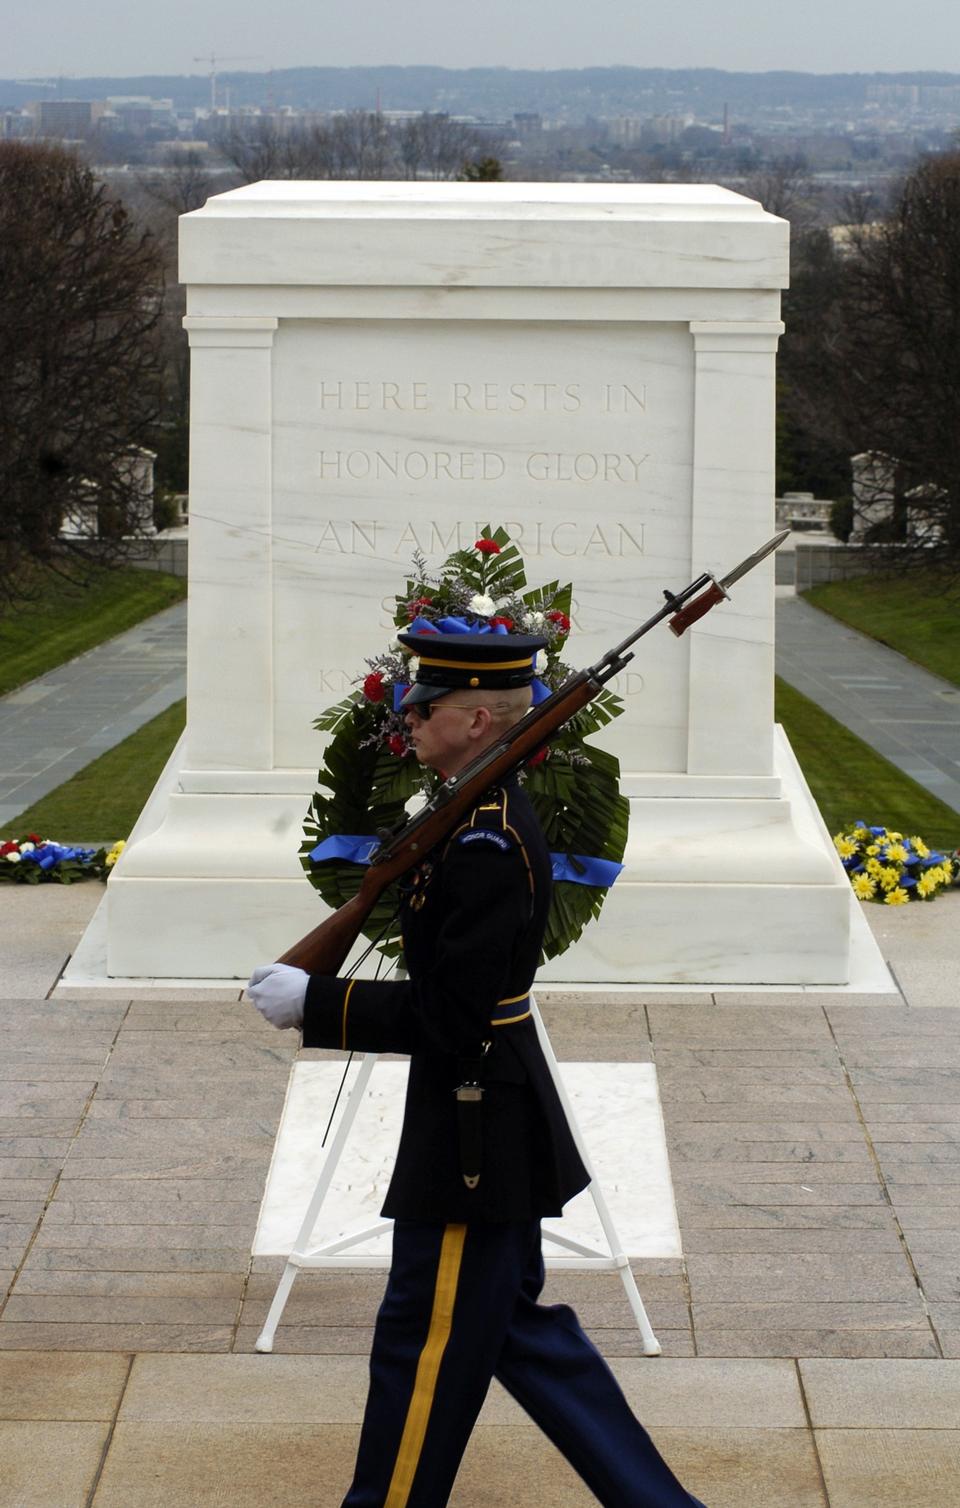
(473,917)
(461,1300)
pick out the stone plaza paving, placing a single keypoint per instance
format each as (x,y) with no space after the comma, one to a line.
(811,1331)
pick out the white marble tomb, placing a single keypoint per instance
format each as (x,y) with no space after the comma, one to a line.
(383,366)
(617,1107)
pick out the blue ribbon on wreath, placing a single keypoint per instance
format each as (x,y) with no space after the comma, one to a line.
(575,869)
(48,855)
(455,625)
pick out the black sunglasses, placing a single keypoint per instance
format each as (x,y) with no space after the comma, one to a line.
(425,710)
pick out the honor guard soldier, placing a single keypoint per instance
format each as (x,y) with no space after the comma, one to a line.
(485,1151)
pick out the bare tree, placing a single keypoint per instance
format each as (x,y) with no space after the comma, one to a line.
(80,300)
(257,149)
(183,183)
(434,146)
(881,374)
(784,187)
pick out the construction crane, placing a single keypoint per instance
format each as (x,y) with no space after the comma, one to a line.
(246,57)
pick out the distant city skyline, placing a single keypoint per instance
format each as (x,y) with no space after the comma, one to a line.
(824,36)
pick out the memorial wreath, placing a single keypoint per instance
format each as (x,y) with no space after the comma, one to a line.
(370,773)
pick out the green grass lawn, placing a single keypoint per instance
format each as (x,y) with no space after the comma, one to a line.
(919,616)
(850,781)
(64,621)
(104,800)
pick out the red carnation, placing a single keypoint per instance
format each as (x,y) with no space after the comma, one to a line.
(539,757)
(6,848)
(414,607)
(507,623)
(561,620)
(373,688)
(487,547)
(34,838)
(397,744)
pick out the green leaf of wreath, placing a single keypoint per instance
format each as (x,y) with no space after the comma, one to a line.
(364,786)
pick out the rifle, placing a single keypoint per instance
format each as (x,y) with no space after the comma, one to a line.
(324,950)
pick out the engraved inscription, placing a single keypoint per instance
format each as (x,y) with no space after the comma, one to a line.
(379,396)
(476,466)
(411,465)
(569,538)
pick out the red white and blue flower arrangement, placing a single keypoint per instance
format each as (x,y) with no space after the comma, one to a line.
(370,773)
(32,860)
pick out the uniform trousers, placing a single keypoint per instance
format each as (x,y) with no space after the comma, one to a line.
(461,1307)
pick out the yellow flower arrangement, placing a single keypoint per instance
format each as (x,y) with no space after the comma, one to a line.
(885,866)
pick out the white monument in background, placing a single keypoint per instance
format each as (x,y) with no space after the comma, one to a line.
(379,367)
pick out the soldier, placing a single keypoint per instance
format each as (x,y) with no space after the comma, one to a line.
(485,1150)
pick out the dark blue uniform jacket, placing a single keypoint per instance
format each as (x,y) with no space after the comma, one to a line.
(473,919)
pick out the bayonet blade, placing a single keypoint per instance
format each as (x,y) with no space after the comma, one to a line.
(754,559)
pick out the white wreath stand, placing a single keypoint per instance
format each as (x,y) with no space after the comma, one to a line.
(337,1253)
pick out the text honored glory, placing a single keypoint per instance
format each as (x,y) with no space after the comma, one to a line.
(477,466)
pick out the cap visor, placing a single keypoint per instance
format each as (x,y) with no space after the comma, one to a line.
(418,693)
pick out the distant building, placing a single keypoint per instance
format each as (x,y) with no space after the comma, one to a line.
(626,130)
(894,94)
(15,124)
(666,129)
(527,123)
(940,97)
(137,113)
(71,119)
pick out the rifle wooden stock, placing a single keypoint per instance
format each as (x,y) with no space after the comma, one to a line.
(325,949)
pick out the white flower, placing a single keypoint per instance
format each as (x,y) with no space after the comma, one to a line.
(536,620)
(540,661)
(483,606)
(413,665)
(12,858)
(27,847)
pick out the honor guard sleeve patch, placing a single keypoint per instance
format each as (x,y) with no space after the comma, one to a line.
(485,835)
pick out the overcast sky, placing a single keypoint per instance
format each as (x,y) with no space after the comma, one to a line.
(818,36)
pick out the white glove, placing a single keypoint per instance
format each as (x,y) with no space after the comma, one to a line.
(278,991)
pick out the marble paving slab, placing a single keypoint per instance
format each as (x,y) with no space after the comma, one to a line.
(617,1106)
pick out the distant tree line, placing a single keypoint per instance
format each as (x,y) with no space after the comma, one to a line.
(358,144)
